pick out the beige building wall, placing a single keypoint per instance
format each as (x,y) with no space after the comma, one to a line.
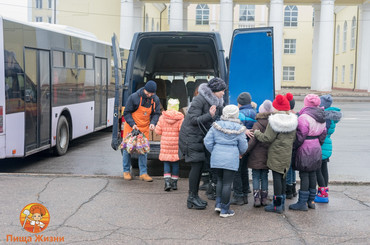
(102,18)
(152,16)
(301,60)
(345,48)
(44,11)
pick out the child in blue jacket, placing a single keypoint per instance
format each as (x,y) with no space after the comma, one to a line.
(226,141)
(332,117)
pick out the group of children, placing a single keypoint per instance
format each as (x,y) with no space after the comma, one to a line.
(276,138)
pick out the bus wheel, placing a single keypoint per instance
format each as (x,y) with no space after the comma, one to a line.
(62,139)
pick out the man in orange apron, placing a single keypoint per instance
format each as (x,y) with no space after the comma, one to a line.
(142,112)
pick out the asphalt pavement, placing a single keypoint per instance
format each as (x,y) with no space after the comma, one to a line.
(105,209)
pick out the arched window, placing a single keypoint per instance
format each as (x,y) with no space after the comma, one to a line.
(146,22)
(337,40)
(202,14)
(353,33)
(157,26)
(152,24)
(291,15)
(345,36)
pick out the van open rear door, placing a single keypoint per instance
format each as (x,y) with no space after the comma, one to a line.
(251,64)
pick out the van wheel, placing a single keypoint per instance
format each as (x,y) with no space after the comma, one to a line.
(62,139)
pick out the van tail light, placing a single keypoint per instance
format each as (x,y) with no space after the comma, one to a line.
(1,120)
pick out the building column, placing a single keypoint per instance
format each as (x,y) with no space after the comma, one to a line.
(324,76)
(138,16)
(363,59)
(276,20)
(185,16)
(176,15)
(226,24)
(126,23)
(315,46)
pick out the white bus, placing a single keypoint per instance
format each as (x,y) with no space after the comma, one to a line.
(55,85)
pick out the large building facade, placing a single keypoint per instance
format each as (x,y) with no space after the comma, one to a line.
(320,45)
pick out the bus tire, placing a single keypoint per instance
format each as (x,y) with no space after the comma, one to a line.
(62,136)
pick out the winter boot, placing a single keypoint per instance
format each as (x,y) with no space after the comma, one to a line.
(257,198)
(226,211)
(218,204)
(245,198)
(211,192)
(283,202)
(205,179)
(174,184)
(202,201)
(301,205)
(322,195)
(294,190)
(237,200)
(264,195)
(167,184)
(311,198)
(289,191)
(193,201)
(276,205)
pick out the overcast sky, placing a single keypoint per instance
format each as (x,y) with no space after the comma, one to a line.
(15,9)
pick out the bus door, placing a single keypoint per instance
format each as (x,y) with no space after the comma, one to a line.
(101,90)
(251,64)
(37,99)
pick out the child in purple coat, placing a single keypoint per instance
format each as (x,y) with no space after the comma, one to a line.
(311,133)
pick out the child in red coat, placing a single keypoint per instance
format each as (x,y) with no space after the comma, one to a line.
(168,126)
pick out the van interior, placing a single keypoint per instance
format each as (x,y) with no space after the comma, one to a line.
(177,63)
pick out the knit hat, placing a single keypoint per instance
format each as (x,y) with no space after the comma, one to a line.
(150,86)
(244,98)
(231,112)
(326,100)
(311,100)
(216,84)
(292,104)
(281,102)
(173,104)
(266,107)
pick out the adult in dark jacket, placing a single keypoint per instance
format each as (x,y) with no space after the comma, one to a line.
(205,108)
(142,112)
(257,156)
(311,132)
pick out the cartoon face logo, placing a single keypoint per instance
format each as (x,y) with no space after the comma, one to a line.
(34,218)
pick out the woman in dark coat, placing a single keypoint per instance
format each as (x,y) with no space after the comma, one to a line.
(205,108)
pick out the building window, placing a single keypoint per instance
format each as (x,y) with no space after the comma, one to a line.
(247,12)
(337,40)
(152,24)
(351,74)
(291,15)
(313,18)
(50,4)
(345,36)
(39,4)
(343,73)
(38,19)
(146,22)
(336,74)
(202,14)
(49,20)
(353,33)
(289,46)
(157,26)
(288,73)
(168,14)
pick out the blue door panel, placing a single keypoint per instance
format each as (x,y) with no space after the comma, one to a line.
(251,66)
